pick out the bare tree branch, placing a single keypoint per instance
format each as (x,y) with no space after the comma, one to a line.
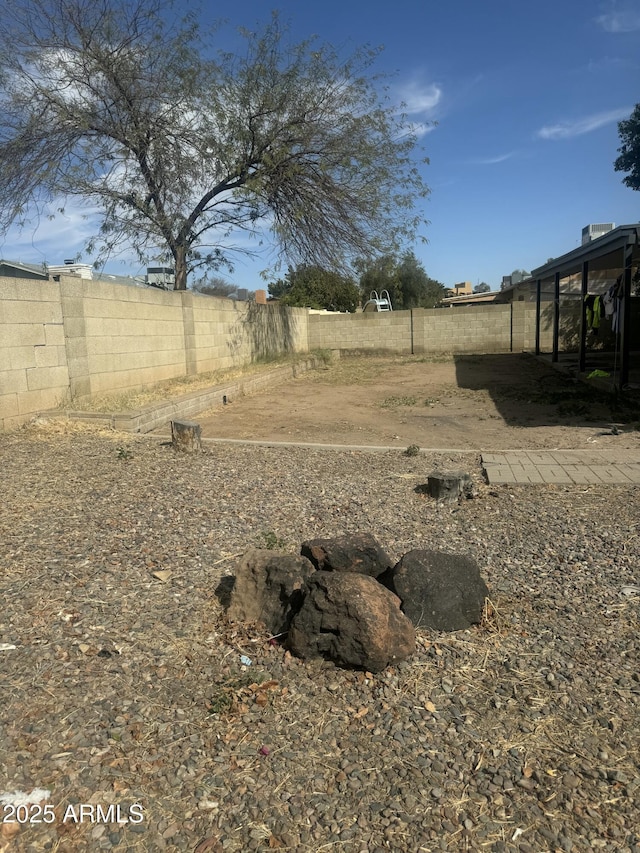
(112,102)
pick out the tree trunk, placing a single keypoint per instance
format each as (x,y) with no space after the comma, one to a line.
(180,258)
(186,436)
(448,487)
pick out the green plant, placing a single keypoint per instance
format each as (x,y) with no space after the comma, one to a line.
(123,453)
(412,450)
(239,688)
(394,402)
(323,355)
(220,703)
(271,541)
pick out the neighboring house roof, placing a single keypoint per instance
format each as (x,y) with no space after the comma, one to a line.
(15,269)
(69,268)
(526,291)
(472,298)
(135,281)
(507,291)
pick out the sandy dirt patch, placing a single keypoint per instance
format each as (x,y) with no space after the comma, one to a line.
(470,402)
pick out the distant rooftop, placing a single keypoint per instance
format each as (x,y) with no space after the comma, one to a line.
(16,269)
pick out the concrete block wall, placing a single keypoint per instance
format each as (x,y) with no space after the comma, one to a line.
(69,340)
(473,328)
(227,333)
(523,327)
(33,364)
(463,329)
(477,328)
(120,338)
(385,331)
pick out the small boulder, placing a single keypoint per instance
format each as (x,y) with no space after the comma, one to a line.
(358,552)
(268,588)
(353,620)
(438,590)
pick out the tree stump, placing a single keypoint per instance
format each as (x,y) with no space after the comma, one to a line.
(449,486)
(186,436)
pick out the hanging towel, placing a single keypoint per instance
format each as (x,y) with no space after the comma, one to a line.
(593,305)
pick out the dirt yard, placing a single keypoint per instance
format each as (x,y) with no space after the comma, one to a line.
(475,402)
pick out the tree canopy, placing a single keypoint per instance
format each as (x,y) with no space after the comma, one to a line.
(404,278)
(314,287)
(214,285)
(482,287)
(629,159)
(179,149)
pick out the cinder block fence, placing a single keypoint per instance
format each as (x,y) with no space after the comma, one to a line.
(475,328)
(62,342)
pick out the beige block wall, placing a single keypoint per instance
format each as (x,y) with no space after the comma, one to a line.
(465,329)
(473,328)
(33,365)
(385,331)
(69,340)
(120,338)
(227,333)
(524,324)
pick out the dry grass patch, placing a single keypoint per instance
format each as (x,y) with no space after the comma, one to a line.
(171,388)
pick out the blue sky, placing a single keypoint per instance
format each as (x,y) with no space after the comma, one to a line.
(526,98)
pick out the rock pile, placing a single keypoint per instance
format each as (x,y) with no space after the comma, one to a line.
(343,599)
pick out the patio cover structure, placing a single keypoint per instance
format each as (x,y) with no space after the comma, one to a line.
(619,250)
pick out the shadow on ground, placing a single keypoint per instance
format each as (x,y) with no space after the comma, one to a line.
(528,393)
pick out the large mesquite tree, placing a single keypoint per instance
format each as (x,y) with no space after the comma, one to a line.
(178,148)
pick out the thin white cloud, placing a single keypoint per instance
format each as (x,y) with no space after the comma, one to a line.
(620,21)
(420,128)
(605,64)
(491,161)
(50,235)
(419,99)
(578,127)
(420,102)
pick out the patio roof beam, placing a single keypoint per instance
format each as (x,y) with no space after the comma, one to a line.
(625,330)
(583,320)
(556,316)
(538,300)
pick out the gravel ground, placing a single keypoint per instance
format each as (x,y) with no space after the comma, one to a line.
(123,685)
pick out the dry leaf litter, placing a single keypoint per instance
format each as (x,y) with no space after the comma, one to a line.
(122,684)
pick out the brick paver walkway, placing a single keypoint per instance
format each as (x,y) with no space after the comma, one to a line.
(563,466)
